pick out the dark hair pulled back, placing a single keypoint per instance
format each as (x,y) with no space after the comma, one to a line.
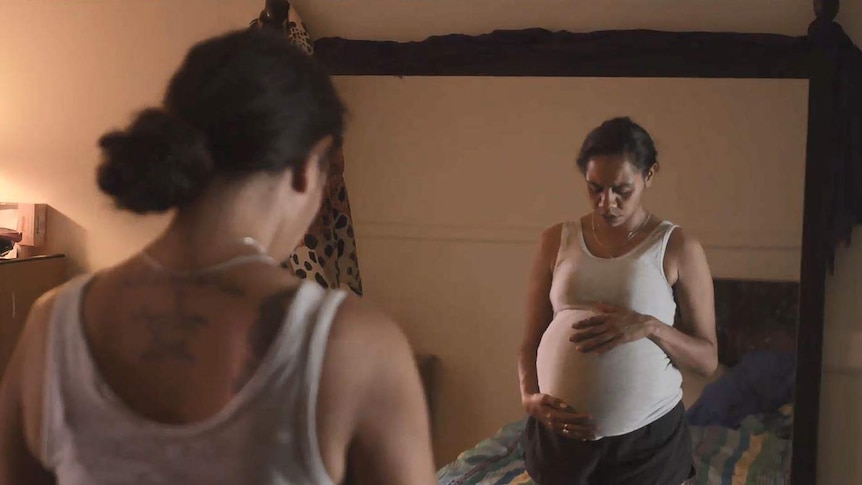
(244,102)
(619,137)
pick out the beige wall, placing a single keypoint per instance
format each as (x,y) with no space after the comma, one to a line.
(453,179)
(69,69)
(416,19)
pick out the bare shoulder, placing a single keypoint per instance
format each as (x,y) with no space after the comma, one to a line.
(685,257)
(22,380)
(549,241)
(359,322)
(367,356)
(365,347)
(40,312)
(551,235)
(682,246)
(32,340)
(371,401)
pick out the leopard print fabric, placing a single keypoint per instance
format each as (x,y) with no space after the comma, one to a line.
(327,253)
(298,33)
(294,28)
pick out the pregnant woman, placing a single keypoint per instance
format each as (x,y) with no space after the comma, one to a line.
(600,357)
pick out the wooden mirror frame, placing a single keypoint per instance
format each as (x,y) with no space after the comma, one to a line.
(833,177)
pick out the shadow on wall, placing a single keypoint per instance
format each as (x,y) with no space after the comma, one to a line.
(65,236)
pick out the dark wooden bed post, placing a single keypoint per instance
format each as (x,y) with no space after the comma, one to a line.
(274,13)
(826,9)
(818,239)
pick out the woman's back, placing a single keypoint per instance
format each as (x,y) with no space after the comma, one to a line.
(176,349)
(182,381)
(317,388)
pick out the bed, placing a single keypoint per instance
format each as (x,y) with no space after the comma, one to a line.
(740,419)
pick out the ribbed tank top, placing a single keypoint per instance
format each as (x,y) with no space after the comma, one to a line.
(265,435)
(634,384)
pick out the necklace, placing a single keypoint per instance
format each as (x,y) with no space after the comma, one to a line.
(259,257)
(629,236)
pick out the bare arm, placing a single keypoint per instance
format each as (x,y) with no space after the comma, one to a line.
(539,309)
(20,404)
(371,405)
(693,345)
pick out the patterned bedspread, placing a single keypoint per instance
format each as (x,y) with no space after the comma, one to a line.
(758,453)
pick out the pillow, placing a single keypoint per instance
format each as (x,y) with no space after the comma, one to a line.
(693,384)
(760,383)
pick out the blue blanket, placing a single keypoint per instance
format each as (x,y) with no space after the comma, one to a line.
(759,384)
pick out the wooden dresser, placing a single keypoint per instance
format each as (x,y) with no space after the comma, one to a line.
(22,281)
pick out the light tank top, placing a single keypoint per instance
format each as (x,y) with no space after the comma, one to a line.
(265,435)
(634,384)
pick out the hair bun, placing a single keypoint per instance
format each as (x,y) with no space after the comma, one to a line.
(158,163)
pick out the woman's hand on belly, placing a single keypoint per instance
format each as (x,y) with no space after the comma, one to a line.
(559,417)
(613,327)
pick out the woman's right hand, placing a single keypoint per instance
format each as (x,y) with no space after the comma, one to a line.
(559,417)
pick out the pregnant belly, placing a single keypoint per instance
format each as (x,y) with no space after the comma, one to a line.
(622,390)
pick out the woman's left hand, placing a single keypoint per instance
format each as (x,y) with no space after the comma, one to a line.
(612,328)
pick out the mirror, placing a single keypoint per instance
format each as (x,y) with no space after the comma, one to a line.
(479,166)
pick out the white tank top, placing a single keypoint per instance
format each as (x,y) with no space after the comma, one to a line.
(265,435)
(634,384)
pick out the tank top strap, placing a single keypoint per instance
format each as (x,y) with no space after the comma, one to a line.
(565,234)
(569,235)
(63,343)
(667,229)
(656,247)
(300,358)
(308,321)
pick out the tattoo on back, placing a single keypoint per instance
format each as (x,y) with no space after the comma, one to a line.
(170,332)
(171,328)
(200,281)
(271,316)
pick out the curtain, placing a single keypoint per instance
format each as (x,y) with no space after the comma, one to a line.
(327,253)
